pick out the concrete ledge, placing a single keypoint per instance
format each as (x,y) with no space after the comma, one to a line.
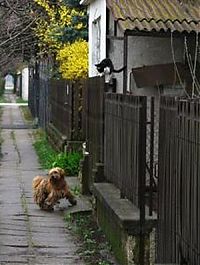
(119,219)
(124,212)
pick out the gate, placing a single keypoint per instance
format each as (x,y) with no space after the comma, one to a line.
(94,118)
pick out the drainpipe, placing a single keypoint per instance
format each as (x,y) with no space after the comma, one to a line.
(125,72)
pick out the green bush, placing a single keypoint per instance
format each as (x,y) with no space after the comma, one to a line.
(69,162)
(45,152)
(2,84)
(49,158)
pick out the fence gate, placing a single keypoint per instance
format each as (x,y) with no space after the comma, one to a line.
(94,117)
(60,100)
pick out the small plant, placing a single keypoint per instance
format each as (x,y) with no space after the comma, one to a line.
(2,85)
(45,152)
(94,247)
(21,100)
(69,162)
(103,263)
(26,113)
(49,158)
(3,99)
(76,190)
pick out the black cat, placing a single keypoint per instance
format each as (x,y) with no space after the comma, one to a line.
(107,63)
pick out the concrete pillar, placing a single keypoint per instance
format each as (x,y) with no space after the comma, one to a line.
(25,82)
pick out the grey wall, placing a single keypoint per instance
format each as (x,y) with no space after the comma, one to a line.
(143,51)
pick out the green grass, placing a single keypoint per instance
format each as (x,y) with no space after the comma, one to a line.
(26,113)
(94,246)
(20,100)
(3,99)
(45,152)
(49,158)
(2,84)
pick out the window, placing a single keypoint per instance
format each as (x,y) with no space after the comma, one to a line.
(96,37)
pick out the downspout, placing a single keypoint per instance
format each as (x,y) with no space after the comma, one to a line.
(125,72)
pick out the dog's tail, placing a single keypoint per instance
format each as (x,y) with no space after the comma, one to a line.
(36,182)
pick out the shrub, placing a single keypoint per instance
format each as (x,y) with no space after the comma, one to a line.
(45,152)
(49,158)
(69,162)
(2,84)
(73,59)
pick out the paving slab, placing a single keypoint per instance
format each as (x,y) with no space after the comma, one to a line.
(27,234)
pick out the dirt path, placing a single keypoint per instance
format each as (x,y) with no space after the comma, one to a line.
(27,234)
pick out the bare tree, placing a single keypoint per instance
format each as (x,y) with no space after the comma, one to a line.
(17,40)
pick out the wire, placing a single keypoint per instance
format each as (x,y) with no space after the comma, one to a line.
(176,68)
(190,64)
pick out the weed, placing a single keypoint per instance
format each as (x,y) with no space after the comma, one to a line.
(3,100)
(69,162)
(21,100)
(45,152)
(103,263)
(26,113)
(49,158)
(76,190)
(94,247)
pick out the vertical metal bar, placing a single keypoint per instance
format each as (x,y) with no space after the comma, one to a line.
(102,125)
(36,88)
(142,180)
(125,62)
(72,112)
(151,157)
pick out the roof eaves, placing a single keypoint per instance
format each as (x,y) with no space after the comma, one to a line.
(180,21)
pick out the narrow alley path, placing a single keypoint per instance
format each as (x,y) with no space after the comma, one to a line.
(27,234)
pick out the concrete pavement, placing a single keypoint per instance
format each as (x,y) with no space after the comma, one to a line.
(27,234)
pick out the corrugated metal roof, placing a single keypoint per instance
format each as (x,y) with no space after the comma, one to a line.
(156,15)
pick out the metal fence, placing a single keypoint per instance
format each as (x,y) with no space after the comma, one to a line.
(179,185)
(94,118)
(65,103)
(120,132)
(60,100)
(39,92)
(125,144)
(43,109)
(152,135)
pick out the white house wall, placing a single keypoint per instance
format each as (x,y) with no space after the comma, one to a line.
(25,82)
(97,41)
(141,50)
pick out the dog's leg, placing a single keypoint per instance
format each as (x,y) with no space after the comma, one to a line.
(71,198)
(46,207)
(51,200)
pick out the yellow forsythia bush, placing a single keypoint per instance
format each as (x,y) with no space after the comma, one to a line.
(73,60)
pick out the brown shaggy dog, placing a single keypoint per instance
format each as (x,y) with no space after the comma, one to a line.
(47,191)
